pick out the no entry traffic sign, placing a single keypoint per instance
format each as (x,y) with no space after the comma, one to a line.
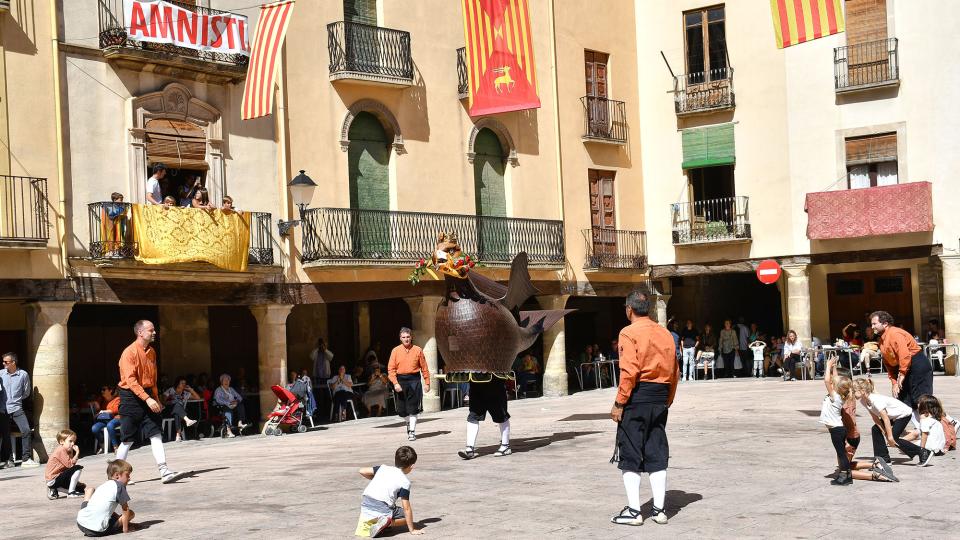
(768,271)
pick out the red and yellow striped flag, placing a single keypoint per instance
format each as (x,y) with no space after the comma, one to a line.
(261,71)
(500,67)
(796,21)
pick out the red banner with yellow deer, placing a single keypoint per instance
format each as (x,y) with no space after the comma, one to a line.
(502,75)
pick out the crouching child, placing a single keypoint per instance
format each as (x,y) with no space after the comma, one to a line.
(386,499)
(98,516)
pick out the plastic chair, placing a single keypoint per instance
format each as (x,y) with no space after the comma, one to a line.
(353,409)
(454,392)
(707,361)
(167,426)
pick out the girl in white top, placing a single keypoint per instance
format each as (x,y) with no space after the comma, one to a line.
(933,440)
(839,391)
(890,417)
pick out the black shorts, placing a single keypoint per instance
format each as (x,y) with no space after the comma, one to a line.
(62,480)
(114,527)
(136,417)
(489,397)
(410,401)
(642,438)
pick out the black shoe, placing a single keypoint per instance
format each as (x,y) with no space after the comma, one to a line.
(884,469)
(925,457)
(53,493)
(468,452)
(842,479)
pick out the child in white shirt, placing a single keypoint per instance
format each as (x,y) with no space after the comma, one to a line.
(932,437)
(97,516)
(388,486)
(758,347)
(890,417)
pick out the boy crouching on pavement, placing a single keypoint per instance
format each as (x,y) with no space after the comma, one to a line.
(97,516)
(388,485)
(62,471)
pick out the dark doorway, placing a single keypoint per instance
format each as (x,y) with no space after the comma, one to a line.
(233,347)
(711,299)
(342,333)
(386,319)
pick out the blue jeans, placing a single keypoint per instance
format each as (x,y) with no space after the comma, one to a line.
(111,426)
(689,362)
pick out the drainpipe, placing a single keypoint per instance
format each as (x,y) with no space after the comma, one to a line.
(62,190)
(556,118)
(284,165)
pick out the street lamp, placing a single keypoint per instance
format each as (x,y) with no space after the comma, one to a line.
(301,190)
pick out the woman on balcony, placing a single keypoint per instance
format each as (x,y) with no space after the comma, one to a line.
(201,199)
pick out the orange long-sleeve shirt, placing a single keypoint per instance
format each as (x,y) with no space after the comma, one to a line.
(897,347)
(58,461)
(404,361)
(647,354)
(138,371)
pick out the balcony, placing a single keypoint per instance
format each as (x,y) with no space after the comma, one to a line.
(604,120)
(345,236)
(369,54)
(703,92)
(142,56)
(463,86)
(24,220)
(896,209)
(711,221)
(865,66)
(613,249)
(111,234)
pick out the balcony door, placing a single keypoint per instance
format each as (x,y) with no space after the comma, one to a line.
(598,111)
(868,57)
(369,157)
(706,45)
(491,198)
(603,217)
(362,48)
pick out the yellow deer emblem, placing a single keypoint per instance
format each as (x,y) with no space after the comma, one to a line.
(504,80)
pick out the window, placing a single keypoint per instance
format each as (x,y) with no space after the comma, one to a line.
(871,160)
(866,20)
(603,216)
(360,11)
(888,284)
(706,44)
(712,183)
(847,287)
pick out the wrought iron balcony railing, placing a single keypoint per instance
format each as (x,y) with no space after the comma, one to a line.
(866,65)
(616,249)
(604,120)
(704,91)
(713,220)
(111,233)
(23,210)
(352,236)
(369,53)
(463,85)
(115,43)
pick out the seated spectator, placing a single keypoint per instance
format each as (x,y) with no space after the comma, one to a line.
(584,363)
(341,389)
(792,355)
(107,417)
(936,352)
(169,202)
(201,199)
(358,372)
(614,350)
(176,398)
(376,394)
(529,372)
(230,403)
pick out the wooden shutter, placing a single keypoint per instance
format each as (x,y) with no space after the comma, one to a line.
(709,146)
(360,11)
(176,144)
(603,217)
(595,67)
(871,149)
(866,20)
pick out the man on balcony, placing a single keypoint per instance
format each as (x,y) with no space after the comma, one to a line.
(154,194)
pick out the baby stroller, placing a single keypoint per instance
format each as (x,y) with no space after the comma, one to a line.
(289,411)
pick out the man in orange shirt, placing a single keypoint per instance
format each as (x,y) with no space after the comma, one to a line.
(139,401)
(908,369)
(648,384)
(406,365)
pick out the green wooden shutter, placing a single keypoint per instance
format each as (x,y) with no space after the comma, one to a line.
(360,11)
(708,146)
(491,197)
(368,157)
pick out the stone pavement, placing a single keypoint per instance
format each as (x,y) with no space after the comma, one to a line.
(748,460)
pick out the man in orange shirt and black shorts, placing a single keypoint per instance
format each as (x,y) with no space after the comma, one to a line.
(404,369)
(648,384)
(139,402)
(909,370)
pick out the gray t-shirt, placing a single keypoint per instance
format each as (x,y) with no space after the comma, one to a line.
(104,502)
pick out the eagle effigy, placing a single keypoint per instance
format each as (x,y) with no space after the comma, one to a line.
(480,330)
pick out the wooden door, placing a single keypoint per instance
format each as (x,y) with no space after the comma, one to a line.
(598,112)
(368,156)
(853,295)
(603,218)
(493,233)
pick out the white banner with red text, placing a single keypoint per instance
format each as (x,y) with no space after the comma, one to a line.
(156,21)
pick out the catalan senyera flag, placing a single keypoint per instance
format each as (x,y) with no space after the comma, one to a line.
(261,71)
(502,75)
(797,21)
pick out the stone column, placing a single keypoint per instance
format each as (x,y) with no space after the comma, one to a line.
(798,302)
(47,326)
(554,349)
(271,351)
(951,298)
(423,309)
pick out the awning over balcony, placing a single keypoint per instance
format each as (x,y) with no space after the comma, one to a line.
(857,213)
(708,146)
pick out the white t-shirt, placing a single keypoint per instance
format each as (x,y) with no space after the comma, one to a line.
(153,188)
(388,485)
(758,352)
(340,386)
(791,348)
(104,502)
(830,410)
(321,365)
(895,408)
(936,438)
